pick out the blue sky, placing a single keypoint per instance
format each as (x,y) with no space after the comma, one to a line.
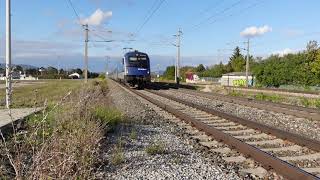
(47,32)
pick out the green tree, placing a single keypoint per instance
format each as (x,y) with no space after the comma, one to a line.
(200,68)
(169,73)
(52,70)
(237,61)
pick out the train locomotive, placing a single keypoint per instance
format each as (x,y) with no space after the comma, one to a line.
(135,69)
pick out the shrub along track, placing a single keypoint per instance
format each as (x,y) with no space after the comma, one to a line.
(290,155)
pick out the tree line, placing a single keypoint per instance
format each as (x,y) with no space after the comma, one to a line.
(301,68)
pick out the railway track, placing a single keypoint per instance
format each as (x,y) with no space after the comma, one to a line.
(290,155)
(298,111)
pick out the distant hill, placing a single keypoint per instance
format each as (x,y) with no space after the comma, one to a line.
(24,66)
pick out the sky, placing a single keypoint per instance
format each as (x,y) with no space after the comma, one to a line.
(49,33)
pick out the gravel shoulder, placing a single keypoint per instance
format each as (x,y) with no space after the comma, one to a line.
(302,126)
(176,158)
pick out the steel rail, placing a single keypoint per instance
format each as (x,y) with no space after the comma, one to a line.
(288,106)
(267,160)
(300,140)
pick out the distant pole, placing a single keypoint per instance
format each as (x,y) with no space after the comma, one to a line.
(86,53)
(177,67)
(107,66)
(247,63)
(8,54)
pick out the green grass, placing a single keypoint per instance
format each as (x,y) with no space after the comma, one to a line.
(272,98)
(108,115)
(35,95)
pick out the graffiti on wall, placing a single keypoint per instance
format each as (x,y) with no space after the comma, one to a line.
(241,82)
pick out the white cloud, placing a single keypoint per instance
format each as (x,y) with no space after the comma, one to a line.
(254,31)
(283,52)
(97,18)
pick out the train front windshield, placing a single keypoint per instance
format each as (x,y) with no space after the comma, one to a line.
(138,61)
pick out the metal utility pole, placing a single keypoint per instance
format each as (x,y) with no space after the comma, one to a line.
(247,63)
(8,54)
(86,53)
(177,67)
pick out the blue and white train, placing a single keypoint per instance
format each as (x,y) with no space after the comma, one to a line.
(135,69)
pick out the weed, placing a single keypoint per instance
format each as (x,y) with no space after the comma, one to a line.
(317,103)
(305,102)
(117,156)
(235,93)
(155,148)
(133,134)
(176,160)
(260,96)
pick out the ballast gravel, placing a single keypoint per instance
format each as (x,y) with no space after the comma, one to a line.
(177,159)
(302,126)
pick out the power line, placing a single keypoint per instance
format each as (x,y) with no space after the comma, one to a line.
(149,17)
(242,10)
(74,11)
(217,14)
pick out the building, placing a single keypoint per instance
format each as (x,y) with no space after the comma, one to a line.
(74,76)
(236,79)
(191,77)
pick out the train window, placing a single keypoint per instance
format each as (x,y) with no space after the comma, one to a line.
(133,59)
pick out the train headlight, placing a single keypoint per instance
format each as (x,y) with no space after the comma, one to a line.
(148,72)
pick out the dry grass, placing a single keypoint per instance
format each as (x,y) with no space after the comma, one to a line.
(62,142)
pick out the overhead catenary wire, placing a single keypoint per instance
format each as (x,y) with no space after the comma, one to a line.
(74,11)
(216,14)
(149,17)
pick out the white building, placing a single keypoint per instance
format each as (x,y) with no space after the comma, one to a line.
(74,76)
(236,79)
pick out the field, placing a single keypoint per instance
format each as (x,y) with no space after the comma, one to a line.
(37,93)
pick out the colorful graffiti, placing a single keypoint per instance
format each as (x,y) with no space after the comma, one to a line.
(241,82)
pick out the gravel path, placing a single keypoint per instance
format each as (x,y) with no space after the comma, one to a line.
(177,159)
(289,123)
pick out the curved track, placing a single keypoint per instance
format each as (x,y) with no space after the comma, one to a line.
(291,155)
